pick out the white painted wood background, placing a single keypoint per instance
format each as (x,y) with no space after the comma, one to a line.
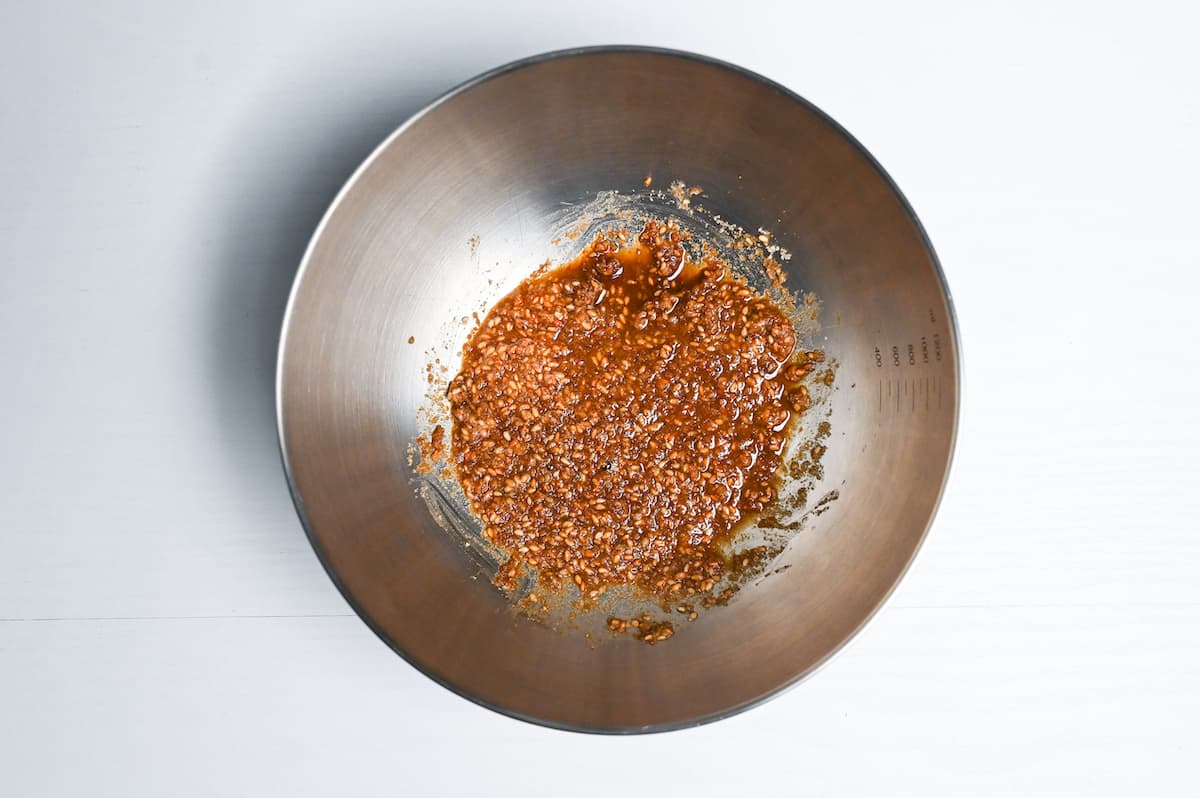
(164,626)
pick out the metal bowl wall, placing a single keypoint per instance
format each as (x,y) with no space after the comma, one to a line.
(496,159)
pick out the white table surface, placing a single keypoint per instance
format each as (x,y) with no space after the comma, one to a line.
(165,628)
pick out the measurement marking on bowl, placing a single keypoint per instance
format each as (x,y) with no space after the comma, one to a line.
(922,352)
(895,395)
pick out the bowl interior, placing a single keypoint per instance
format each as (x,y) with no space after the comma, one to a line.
(461,204)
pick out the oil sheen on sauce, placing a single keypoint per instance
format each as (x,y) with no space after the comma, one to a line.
(617,417)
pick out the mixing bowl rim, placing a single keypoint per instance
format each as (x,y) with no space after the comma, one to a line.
(351,182)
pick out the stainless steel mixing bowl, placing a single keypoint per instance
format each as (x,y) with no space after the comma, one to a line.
(467,191)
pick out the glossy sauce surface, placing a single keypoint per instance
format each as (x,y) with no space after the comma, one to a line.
(615,418)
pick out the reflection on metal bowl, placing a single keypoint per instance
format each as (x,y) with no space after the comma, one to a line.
(476,185)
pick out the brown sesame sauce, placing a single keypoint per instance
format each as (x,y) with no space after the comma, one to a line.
(616,418)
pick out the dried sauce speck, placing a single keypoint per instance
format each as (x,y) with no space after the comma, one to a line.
(775,272)
(645,628)
(433,449)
